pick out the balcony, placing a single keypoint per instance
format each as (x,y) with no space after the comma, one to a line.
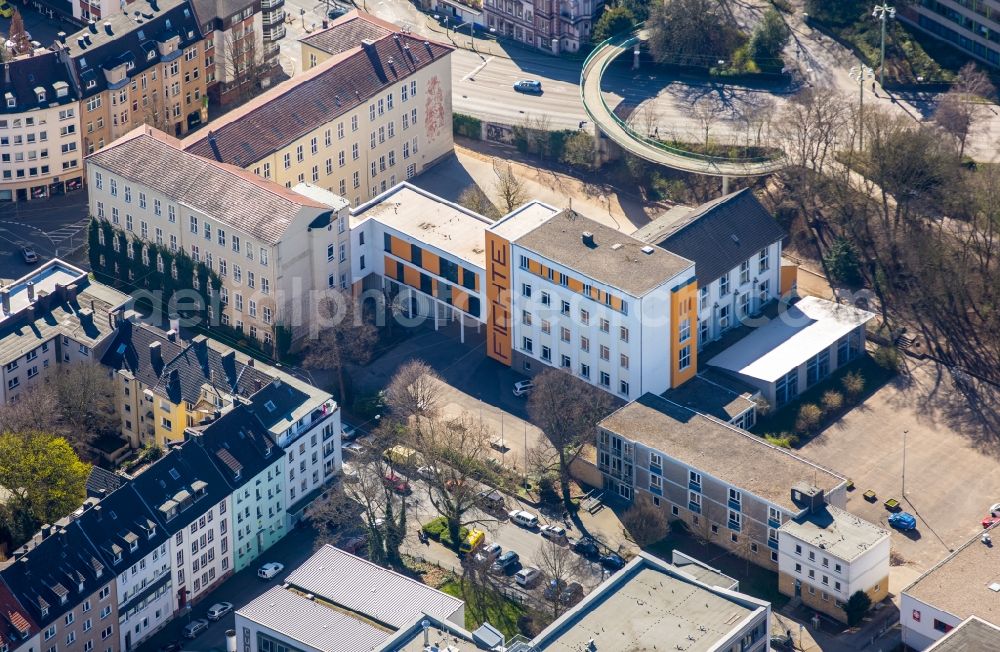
(656,491)
(772,544)
(275,33)
(654,468)
(694,507)
(734,526)
(271,18)
(694,486)
(773,523)
(266,5)
(735,505)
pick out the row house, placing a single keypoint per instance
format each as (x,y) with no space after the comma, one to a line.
(142,66)
(775,509)
(552,25)
(276,251)
(40,150)
(371,108)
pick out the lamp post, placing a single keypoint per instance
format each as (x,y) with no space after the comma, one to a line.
(883,12)
(861,73)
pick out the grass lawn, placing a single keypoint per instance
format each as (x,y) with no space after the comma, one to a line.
(483,605)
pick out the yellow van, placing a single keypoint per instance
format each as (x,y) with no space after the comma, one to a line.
(473,540)
(401,456)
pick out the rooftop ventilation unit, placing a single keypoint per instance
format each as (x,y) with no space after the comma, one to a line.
(647,250)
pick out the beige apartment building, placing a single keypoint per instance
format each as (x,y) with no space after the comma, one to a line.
(372,108)
(275,250)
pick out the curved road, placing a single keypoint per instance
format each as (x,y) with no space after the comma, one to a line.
(610,125)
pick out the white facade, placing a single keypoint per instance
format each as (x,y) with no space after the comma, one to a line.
(259,514)
(140,611)
(202,553)
(310,462)
(747,287)
(625,352)
(923,624)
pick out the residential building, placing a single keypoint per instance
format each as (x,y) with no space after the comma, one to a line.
(193,503)
(252,463)
(544,24)
(800,347)
(40,152)
(566,291)
(426,254)
(718,395)
(53,316)
(17,632)
(736,247)
(275,250)
(827,554)
(142,66)
(133,546)
(372,108)
(651,600)
(958,587)
(336,602)
(60,580)
(241,45)
(972,26)
(971,634)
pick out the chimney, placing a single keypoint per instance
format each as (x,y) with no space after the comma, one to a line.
(86,316)
(5,300)
(107,28)
(425,625)
(175,323)
(46,531)
(228,358)
(62,37)
(588,239)
(808,496)
(215,146)
(86,39)
(250,362)
(71,292)
(92,26)
(155,7)
(172,335)
(230,640)
(155,356)
(31,290)
(6,73)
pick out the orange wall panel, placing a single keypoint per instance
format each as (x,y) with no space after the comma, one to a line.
(399,248)
(499,326)
(681,301)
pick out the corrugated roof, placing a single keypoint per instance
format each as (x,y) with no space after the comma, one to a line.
(717,236)
(366,588)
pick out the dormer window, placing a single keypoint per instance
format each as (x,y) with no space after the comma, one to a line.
(92,83)
(270,406)
(63,599)
(45,611)
(40,93)
(152,532)
(11,102)
(118,557)
(129,65)
(150,55)
(134,546)
(79,586)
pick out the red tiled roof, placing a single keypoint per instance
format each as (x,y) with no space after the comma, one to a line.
(300,105)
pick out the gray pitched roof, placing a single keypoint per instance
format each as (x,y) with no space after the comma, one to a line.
(233,196)
(102,482)
(239,445)
(717,236)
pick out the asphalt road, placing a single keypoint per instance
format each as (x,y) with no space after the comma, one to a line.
(239,589)
(52,227)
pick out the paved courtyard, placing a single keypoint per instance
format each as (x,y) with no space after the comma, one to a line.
(952,444)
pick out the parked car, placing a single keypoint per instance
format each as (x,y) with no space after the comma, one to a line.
(506,562)
(553,589)
(348,433)
(397,484)
(553,532)
(218,610)
(586,547)
(571,594)
(473,540)
(492,500)
(522,387)
(527,577)
(523,518)
(489,553)
(995,509)
(427,472)
(354,545)
(336,11)
(29,255)
(903,521)
(528,86)
(402,456)
(194,628)
(269,570)
(172,646)
(612,561)
(990,521)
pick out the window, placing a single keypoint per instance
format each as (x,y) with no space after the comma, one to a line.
(585,370)
(565,362)
(546,353)
(623,388)
(585,344)
(735,496)
(525,289)
(684,358)
(527,345)
(765,261)
(684,331)
(744,272)
(623,334)
(584,317)
(724,285)
(564,334)
(526,318)
(605,379)
(694,479)
(564,308)
(605,352)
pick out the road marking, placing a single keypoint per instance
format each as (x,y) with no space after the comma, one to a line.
(478,68)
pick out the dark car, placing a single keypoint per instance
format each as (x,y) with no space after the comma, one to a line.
(612,562)
(336,11)
(172,646)
(528,86)
(586,547)
(506,563)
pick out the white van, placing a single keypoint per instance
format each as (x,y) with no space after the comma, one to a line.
(523,518)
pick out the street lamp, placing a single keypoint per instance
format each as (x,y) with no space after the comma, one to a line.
(861,73)
(883,12)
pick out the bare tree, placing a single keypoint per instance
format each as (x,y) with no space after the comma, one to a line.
(414,391)
(334,515)
(559,565)
(509,189)
(567,410)
(646,523)
(348,340)
(706,111)
(812,126)
(476,200)
(156,113)
(244,65)
(535,132)
(961,106)
(649,119)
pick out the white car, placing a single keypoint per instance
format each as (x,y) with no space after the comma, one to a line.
(527,576)
(489,553)
(195,627)
(553,532)
(427,472)
(522,387)
(995,509)
(218,610)
(523,518)
(268,571)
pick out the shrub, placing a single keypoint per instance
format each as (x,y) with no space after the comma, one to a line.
(437,529)
(842,263)
(854,384)
(832,401)
(548,491)
(856,608)
(784,440)
(809,418)
(887,357)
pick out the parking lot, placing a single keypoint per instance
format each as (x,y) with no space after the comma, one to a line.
(952,475)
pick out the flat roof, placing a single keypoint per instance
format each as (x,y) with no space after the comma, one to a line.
(614,259)
(43,280)
(960,584)
(650,602)
(708,396)
(313,623)
(522,220)
(358,585)
(430,220)
(972,635)
(836,531)
(711,446)
(790,339)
